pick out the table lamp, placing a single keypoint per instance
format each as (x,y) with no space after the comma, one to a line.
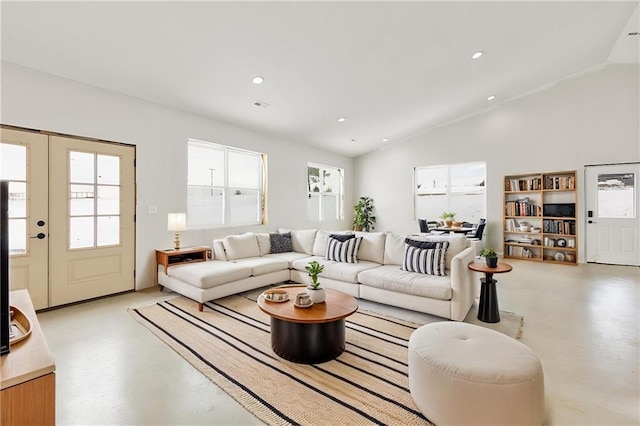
(177,222)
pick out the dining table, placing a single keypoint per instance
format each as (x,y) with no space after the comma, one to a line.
(457,230)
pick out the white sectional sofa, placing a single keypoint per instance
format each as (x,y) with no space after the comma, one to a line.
(244,262)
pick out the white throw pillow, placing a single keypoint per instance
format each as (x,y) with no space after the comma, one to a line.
(264,243)
(241,246)
(302,240)
(372,246)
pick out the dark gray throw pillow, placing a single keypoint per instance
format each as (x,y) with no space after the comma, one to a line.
(281,243)
(422,244)
(342,237)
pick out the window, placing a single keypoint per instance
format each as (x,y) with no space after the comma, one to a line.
(324,201)
(458,188)
(225,186)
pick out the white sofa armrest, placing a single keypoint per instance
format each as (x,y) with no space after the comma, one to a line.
(463,286)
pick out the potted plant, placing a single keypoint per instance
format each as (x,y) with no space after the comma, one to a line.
(448,218)
(315,292)
(363,218)
(490,256)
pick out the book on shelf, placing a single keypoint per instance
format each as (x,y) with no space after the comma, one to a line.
(560,182)
(523,184)
(561,227)
(522,207)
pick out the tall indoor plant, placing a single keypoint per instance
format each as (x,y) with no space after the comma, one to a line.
(363,218)
(315,292)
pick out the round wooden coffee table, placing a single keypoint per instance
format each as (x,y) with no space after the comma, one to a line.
(488,308)
(309,335)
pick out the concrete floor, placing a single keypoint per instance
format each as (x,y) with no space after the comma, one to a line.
(583,322)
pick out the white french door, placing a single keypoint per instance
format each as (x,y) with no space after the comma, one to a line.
(71,216)
(613,219)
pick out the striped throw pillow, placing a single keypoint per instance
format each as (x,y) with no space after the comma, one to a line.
(425,257)
(343,251)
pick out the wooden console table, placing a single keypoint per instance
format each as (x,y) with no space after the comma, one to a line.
(27,374)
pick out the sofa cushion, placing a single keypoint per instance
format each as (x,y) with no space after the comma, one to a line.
(424,257)
(264,243)
(280,243)
(218,250)
(302,240)
(209,274)
(346,272)
(263,265)
(372,246)
(241,246)
(343,248)
(289,257)
(392,278)
(322,240)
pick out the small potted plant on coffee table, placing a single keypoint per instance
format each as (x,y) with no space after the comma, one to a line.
(490,256)
(315,292)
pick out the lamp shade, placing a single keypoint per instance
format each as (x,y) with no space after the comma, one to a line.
(177,222)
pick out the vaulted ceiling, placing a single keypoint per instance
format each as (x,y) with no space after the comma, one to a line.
(392,69)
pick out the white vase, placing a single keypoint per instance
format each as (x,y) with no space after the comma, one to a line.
(316,295)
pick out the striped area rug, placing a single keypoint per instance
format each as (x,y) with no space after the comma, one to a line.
(230,344)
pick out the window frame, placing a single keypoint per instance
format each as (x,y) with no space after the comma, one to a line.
(227,189)
(449,190)
(322,194)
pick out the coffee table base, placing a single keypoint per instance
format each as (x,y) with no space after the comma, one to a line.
(307,343)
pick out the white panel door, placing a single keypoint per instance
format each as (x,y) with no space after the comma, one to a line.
(92,233)
(613,222)
(24,163)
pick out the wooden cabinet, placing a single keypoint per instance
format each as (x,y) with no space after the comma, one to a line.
(27,374)
(539,219)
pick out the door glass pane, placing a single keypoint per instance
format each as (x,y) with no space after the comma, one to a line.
(108,200)
(244,206)
(13,162)
(616,195)
(17,199)
(108,230)
(17,236)
(81,232)
(81,167)
(244,170)
(205,206)
(81,200)
(108,169)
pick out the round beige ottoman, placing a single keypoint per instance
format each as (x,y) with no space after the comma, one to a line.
(463,374)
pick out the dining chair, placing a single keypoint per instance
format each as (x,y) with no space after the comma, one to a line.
(477,234)
(424,226)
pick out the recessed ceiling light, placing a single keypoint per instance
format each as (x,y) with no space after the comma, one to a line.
(490,98)
(477,54)
(353,140)
(385,140)
(341,119)
(258,80)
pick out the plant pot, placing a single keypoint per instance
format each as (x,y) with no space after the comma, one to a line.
(448,223)
(492,262)
(317,295)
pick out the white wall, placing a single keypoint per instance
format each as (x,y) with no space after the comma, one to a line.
(588,119)
(40,101)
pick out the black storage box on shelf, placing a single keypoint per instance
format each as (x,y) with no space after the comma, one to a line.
(559,210)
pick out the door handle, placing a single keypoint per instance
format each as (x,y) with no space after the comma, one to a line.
(40,223)
(590,221)
(40,236)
